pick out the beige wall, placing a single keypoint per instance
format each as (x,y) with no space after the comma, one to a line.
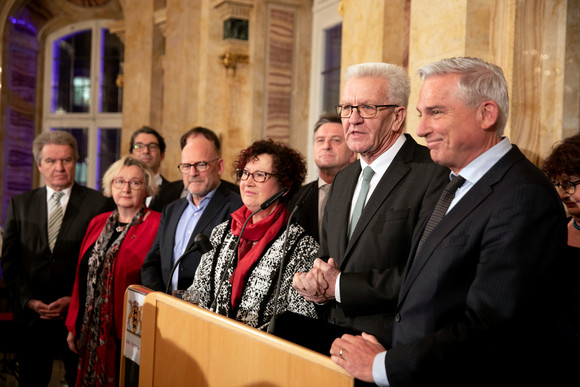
(537,43)
(174,78)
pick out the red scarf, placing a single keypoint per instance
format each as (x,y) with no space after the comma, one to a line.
(262,232)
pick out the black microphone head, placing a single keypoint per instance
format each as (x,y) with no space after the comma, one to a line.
(203,243)
(274,197)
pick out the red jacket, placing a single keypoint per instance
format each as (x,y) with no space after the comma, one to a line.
(127,265)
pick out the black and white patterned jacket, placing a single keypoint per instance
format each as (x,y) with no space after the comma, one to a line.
(257,303)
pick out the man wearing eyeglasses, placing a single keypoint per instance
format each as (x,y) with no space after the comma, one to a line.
(148,146)
(374,204)
(331,154)
(176,190)
(209,202)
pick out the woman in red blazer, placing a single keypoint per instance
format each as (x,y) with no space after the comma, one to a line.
(110,259)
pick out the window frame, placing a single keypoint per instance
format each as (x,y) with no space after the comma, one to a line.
(93,120)
(324,16)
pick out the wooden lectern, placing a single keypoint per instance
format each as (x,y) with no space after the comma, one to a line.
(183,344)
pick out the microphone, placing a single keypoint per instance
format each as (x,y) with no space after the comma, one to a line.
(263,206)
(273,198)
(299,203)
(200,242)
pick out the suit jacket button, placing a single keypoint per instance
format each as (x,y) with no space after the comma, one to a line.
(398,317)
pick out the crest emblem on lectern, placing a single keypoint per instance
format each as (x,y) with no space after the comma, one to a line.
(134,318)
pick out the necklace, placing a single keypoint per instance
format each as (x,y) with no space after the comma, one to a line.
(120,228)
(576,226)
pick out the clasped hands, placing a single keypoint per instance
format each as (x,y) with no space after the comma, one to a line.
(318,284)
(54,311)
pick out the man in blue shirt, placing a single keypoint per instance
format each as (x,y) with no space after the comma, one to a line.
(208,203)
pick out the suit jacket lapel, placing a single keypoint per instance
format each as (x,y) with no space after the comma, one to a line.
(216,202)
(72,209)
(172,222)
(396,171)
(39,207)
(477,194)
(345,196)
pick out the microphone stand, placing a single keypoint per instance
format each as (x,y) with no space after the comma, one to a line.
(263,206)
(200,243)
(299,204)
(222,279)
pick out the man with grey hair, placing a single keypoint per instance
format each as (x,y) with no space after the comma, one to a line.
(374,205)
(43,234)
(484,264)
(331,154)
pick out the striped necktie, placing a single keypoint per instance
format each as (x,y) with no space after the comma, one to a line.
(441,207)
(55,218)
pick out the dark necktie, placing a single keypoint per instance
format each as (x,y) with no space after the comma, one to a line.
(441,207)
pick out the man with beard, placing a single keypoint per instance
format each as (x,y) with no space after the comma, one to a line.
(208,203)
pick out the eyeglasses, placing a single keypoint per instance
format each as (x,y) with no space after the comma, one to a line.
(258,176)
(141,147)
(119,183)
(567,186)
(365,111)
(200,166)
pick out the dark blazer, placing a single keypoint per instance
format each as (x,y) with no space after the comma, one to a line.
(159,259)
(28,263)
(159,201)
(471,306)
(170,192)
(307,215)
(373,260)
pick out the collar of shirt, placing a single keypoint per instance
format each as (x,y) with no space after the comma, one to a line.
(380,166)
(158,180)
(63,200)
(475,170)
(203,202)
(185,227)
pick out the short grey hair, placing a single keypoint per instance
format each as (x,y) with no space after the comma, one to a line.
(479,81)
(127,161)
(54,137)
(398,79)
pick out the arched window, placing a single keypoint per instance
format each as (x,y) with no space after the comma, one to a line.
(82,94)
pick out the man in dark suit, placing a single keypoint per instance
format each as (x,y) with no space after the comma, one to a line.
(470,306)
(208,204)
(148,146)
(359,272)
(330,156)
(39,257)
(170,192)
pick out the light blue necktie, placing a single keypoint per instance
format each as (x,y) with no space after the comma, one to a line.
(360,202)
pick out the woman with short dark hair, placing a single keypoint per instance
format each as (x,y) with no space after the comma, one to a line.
(249,273)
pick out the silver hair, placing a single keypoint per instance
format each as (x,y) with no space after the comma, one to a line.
(479,81)
(54,137)
(398,79)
